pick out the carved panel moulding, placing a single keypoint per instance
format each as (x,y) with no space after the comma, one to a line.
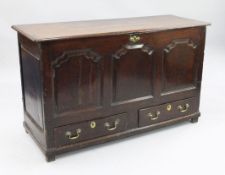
(66,56)
(123,51)
(176,42)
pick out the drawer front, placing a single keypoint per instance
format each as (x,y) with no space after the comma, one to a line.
(71,134)
(156,114)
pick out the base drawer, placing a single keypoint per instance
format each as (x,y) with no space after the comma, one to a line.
(71,134)
(156,114)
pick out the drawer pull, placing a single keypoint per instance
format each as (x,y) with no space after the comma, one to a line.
(113,126)
(74,136)
(154,117)
(183,108)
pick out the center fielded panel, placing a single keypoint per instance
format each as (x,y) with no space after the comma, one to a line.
(132,73)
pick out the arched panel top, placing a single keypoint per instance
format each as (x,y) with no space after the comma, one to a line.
(178,42)
(123,51)
(67,55)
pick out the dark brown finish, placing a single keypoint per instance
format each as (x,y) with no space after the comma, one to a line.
(167,111)
(91,129)
(81,90)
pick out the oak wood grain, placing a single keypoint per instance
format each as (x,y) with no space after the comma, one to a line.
(77,29)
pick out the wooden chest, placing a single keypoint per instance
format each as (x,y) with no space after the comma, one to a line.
(90,82)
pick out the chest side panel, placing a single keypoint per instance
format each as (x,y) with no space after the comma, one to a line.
(31,81)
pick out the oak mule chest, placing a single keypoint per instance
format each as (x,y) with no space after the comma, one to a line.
(90,82)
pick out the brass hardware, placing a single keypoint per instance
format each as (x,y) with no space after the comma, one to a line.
(134,38)
(134,46)
(183,108)
(93,124)
(113,126)
(74,136)
(169,107)
(154,117)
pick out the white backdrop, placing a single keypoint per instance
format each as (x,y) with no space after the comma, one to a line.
(181,149)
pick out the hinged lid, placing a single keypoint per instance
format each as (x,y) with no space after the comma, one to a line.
(78,29)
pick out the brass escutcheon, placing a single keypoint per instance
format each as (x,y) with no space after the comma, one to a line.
(93,124)
(134,38)
(169,107)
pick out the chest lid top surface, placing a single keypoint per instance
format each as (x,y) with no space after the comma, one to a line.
(78,29)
